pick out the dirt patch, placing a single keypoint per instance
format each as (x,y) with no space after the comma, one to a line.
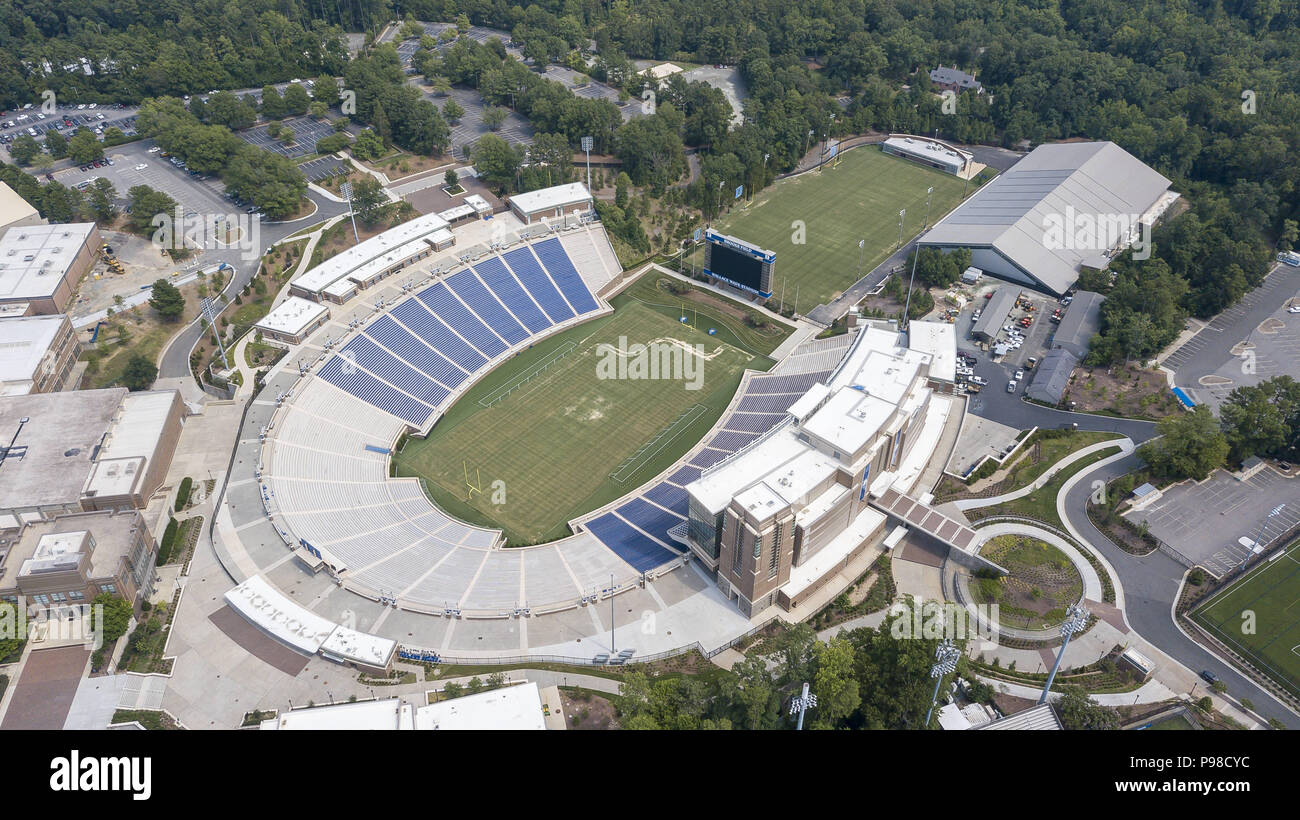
(1122,389)
(587,710)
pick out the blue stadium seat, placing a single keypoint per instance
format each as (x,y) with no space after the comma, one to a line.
(393,370)
(561,268)
(524,264)
(372,390)
(642,552)
(512,295)
(438,336)
(650,518)
(440,301)
(424,358)
(481,301)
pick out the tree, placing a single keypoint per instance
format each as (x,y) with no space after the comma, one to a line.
(621,183)
(326,90)
(1263,420)
(296,100)
(452,111)
(1190,445)
(368,199)
(273,107)
(167,300)
(56,144)
(23,149)
(319,110)
(116,615)
(451,178)
(368,145)
(1080,712)
(494,117)
(496,161)
(100,199)
(834,683)
(144,203)
(84,147)
(139,373)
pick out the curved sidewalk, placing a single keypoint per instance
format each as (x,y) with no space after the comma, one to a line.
(1125,444)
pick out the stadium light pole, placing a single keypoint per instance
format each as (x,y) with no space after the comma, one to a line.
(346,190)
(907,305)
(928,191)
(1076,619)
(801,704)
(1263,527)
(901,215)
(946,655)
(587,143)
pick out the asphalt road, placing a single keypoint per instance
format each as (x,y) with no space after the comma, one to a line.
(1150,588)
(176,358)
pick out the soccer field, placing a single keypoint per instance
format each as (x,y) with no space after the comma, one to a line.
(1259,617)
(839,205)
(566,431)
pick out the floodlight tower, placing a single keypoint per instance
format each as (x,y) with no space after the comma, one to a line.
(946,656)
(1076,618)
(587,143)
(346,190)
(1263,526)
(801,704)
(928,192)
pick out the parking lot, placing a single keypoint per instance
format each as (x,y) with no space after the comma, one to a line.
(1204,521)
(66,120)
(727,80)
(515,130)
(306,131)
(323,168)
(1256,339)
(1035,338)
(583,86)
(196,196)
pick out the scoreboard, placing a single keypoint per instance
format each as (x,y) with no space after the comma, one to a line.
(738,263)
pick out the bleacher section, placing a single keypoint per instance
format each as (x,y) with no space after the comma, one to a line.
(412,360)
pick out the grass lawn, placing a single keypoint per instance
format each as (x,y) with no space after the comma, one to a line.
(1042,504)
(1037,456)
(533,420)
(1271,592)
(1042,582)
(137,330)
(858,199)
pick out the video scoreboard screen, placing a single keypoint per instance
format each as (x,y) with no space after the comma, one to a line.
(738,263)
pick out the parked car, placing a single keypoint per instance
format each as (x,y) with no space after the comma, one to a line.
(141,166)
(1020,374)
(1011,386)
(1209,677)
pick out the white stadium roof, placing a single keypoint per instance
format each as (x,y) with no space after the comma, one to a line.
(353,259)
(1011,214)
(550,198)
(292,316)
(23,343)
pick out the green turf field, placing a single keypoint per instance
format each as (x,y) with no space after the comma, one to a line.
(1272,592)
(565,440)
(857,199)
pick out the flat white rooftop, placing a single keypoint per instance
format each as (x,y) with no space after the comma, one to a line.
(389,714)
(35,258)
(339,266)
(264,606)
(13,208)
(23,343)
(557,196)
(293,315)
(939,341)
(516,707)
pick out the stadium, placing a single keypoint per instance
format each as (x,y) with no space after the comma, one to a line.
(316,510)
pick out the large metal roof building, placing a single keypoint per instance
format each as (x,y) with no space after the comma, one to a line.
(1008,224)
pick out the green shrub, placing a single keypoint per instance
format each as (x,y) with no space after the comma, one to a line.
(168,541)
(183,495)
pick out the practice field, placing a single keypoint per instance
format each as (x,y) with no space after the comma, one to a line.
(1270,639)
(566,430)
(839,205)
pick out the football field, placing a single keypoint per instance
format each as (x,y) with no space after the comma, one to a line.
(1259,617)
(858,199)
(578,420)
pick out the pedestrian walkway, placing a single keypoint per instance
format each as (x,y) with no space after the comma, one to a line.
(1125,445)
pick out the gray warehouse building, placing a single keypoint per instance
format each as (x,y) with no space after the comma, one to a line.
(1082,321)
(1014,225)
(995,314)
(1052,376)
